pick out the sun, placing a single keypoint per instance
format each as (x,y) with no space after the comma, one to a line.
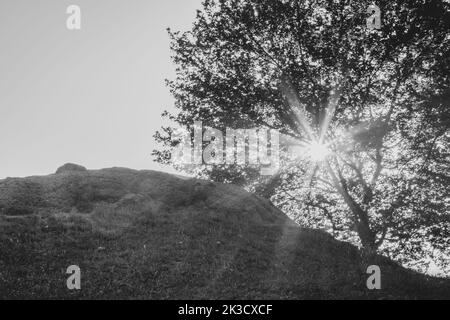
(314,150)
(317,151)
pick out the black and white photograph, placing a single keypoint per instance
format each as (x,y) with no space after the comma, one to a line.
(224,155)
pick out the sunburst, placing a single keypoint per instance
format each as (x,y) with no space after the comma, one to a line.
(314,146)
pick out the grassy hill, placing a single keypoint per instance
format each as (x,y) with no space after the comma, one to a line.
(150,235)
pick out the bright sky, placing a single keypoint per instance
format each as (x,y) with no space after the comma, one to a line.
(92,96)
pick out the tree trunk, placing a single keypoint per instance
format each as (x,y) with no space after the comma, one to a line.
(361,218)
(365,233)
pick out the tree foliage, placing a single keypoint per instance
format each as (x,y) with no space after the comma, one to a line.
(379,99)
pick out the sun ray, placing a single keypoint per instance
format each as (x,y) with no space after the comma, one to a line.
(329,114)
(297,107)
(317,149)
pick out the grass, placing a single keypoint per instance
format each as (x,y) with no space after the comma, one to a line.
(167,238)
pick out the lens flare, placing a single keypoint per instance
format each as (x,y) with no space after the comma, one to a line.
(317,151)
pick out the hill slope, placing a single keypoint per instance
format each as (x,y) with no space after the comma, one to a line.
(150,235)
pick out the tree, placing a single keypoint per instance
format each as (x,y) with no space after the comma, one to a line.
(364,112)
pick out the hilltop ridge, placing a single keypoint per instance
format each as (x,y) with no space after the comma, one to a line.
(152,235)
